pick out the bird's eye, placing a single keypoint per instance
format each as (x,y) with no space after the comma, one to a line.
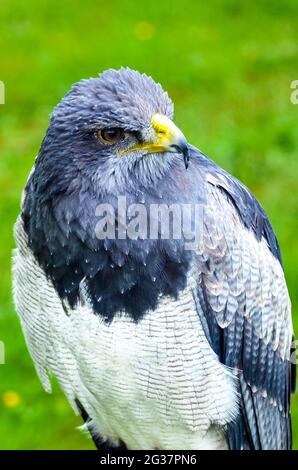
(110,136)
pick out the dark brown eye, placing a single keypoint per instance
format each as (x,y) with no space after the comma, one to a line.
(110,136)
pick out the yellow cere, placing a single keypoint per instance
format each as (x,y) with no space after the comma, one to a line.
(161,123)
(167,133)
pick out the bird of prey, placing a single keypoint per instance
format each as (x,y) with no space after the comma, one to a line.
(156,345)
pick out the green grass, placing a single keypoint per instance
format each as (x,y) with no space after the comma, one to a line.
(227,65)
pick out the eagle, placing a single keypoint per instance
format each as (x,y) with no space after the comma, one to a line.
(158,340)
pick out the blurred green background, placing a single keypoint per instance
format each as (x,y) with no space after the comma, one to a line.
(227,65)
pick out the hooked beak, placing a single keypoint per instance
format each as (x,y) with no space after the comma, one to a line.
(168,138)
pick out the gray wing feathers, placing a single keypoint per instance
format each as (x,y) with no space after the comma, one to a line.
(243,296)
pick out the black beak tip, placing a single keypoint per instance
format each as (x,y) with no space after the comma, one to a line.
(184,149)
(186,156)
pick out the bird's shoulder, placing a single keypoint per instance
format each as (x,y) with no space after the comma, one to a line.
(250,211)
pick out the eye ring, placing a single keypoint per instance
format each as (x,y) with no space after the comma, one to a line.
(110,136)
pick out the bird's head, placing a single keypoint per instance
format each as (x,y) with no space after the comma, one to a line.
(115,129)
